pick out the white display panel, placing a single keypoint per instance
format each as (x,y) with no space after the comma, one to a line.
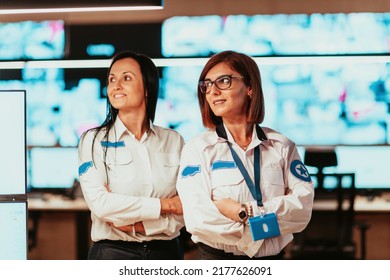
(12,142)
(53,168)
(371,165)
(13,225)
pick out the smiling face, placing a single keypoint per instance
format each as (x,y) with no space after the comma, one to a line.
(125,88)
(231,103)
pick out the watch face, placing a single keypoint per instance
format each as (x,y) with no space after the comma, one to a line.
(242,214)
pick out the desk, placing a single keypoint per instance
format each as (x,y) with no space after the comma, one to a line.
(55,203)
(362,205)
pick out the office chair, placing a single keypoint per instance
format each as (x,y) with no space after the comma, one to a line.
(329,235)
(320,158)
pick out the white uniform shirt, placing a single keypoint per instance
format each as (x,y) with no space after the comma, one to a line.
(138,174)
(208,173)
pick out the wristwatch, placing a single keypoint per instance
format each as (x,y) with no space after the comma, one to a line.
(243,214)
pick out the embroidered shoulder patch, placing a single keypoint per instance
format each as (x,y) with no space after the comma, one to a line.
(298,169)
(84,167)
(190,170)
(221,164)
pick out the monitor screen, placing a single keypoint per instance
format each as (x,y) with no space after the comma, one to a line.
(279,34)
(58,112)
(13,234)
(13,142)
(32,40)
(371,165)
(52,168)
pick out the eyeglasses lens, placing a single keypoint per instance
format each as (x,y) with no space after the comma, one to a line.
(221,83)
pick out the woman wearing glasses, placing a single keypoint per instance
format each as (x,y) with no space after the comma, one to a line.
(243,187)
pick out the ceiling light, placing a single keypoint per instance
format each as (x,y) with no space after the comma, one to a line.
(50,6)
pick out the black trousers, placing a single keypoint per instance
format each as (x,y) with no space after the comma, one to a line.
(124,250)
(209,253)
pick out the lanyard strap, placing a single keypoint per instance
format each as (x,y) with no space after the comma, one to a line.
(254,188)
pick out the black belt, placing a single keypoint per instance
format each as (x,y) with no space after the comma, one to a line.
(153,244)
(218,252)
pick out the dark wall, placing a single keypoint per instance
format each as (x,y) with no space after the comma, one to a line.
(143,38)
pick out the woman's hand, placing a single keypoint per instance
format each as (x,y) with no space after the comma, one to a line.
(137,227)
(229,208)
(171,205)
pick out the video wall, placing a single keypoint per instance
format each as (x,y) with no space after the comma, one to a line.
(311,97)
(340,104)
(281,34)
(342,101)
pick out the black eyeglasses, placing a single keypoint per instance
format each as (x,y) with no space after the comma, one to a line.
(222,82)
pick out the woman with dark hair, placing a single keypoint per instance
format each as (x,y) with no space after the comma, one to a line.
(128,169)
(243,187)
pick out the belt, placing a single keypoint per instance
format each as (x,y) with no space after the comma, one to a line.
(152,244)
(220,253)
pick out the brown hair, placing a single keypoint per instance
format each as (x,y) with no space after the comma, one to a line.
(249,70)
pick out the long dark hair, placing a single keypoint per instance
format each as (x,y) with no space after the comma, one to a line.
(150,79)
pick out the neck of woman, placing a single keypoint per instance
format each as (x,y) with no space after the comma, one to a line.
(241,133)
(137,124)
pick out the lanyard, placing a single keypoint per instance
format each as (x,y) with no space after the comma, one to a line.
(254,188)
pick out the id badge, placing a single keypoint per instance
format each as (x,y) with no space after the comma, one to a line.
(263,227)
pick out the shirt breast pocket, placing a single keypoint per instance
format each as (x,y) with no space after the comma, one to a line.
(121,166)
(272,182)
(226,183)
(169,167)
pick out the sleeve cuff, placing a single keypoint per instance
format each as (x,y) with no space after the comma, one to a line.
(151,208)
(247,245)
(155,226)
